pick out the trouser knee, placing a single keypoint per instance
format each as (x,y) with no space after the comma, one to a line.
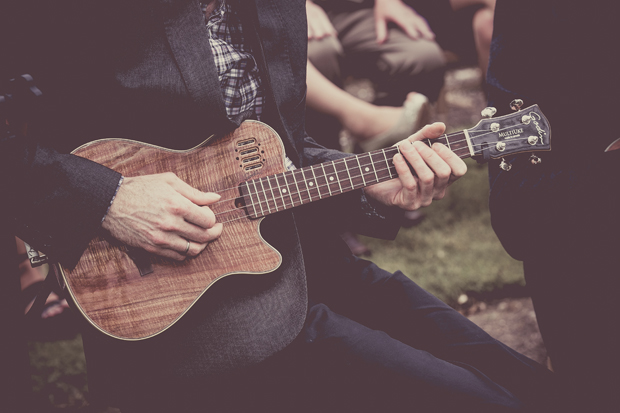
(326,55)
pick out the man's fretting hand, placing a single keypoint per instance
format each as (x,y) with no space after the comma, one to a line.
(436,168)
(161,213)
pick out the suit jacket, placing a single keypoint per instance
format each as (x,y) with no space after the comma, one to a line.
(143,70)
(572,76)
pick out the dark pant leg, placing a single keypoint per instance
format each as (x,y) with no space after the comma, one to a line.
(16,391)
(574,283)
(577,312)
(395,306)
(357,369)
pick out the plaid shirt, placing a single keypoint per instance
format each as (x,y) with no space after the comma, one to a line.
(237,70)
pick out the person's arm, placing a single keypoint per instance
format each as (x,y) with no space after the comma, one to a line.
(377,210)
(59,202)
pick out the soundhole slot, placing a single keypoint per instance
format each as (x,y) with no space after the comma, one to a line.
(251,159)
(253,166)
(248,151)
(246,142)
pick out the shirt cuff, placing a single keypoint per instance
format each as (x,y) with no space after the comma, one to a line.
(120,181)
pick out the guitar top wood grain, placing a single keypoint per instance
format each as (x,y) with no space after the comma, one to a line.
(106,284)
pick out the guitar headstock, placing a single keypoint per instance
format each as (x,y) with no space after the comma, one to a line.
(526,130)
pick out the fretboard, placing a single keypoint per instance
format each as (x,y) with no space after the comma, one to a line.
(270,194)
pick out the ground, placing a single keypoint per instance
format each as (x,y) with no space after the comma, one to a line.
(513,322)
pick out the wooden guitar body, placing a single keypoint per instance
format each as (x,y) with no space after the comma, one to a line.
(107,285)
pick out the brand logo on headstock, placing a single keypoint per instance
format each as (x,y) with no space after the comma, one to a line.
(514,133)
(517,131)
(541,132)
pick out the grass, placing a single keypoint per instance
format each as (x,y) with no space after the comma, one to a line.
(454,251)
(58,375)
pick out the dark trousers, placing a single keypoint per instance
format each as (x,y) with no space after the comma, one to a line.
(15,386)
(386,345)
(574,284)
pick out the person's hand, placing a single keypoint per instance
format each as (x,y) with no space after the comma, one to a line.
(161,213)
(436,168)
(405,17)
(319,25)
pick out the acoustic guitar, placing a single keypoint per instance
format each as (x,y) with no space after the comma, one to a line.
(132,295)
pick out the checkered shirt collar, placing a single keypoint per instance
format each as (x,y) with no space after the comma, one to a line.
(236,68)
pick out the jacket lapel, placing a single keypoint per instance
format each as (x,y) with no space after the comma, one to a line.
(189,43)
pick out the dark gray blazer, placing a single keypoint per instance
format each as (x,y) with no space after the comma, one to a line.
(143,70)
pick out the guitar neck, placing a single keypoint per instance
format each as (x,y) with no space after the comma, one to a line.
(274,193)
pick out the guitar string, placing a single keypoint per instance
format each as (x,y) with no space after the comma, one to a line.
(474,146)
(299,193)
(260,203)
(342,161)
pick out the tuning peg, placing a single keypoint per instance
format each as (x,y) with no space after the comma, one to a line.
(535,160)
(488,112)
(516,104)
(505,165)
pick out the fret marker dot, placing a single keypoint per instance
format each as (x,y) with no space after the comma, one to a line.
(367,169)
(311,183)
(284,191)
(331,178)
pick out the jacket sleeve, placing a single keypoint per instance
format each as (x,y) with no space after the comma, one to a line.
(55,202)
(352,211)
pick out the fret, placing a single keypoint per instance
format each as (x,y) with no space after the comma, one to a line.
(327,179)
(372,165)
(447,141)
(298,193)
(387,163)
(310,185)
(458,144)
(337,177)
(471,149)
(260,203)
(357,158)
(369,173)
(358,180)
(348,171)
(264,194)
(251,199)
(273,196)
(284,189)
(381,173)
(318,185)
(303,185)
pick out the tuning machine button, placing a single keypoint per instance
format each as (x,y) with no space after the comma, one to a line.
(535,160)
(516,104)
(505,165)
(488,112)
